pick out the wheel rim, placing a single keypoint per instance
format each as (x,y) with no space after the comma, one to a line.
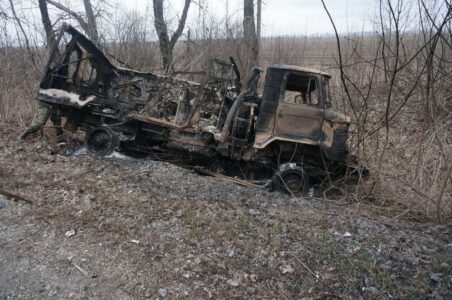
(101,141)
(292,181)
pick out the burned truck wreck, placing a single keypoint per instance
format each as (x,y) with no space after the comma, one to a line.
(290,134)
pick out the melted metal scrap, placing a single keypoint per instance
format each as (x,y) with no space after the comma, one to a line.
(290,131)
(73,98)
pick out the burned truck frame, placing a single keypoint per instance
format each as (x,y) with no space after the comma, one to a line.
(290,133)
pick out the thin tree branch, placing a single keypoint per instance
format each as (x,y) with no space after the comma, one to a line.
(341,68)
(73,14)
(180,27)
(19,23)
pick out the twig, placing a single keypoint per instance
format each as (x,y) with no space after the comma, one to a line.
(441,194)
(317,276)
(227,178)
(16,197)
(84,272)
(341,64)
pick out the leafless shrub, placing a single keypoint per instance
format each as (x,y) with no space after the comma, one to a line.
(399,107)
(130,42)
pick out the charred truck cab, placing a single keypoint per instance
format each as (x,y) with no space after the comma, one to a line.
(289,134)
(296,107)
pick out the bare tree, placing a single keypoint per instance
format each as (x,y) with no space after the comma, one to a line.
(89,25)
(259,20)
(249,35)
(50,35)
(415,72)
(167,44)
(91,20)
(21,27)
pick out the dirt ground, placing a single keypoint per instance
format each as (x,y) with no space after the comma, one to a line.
(118,228)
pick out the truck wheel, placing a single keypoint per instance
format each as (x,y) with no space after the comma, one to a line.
(101,141)
(291,178)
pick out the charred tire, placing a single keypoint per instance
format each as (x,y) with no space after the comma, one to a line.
(291,178)
(101,141)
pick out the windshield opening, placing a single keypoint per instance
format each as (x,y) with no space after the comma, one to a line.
(301,89)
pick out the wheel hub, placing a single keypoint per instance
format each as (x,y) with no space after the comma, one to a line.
(101,141)
(292,178)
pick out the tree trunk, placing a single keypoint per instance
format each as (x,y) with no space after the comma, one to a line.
(249,35)
(188,48)
(89,26)
(166,44)
(162,33)
(259,21)
(92,25)
(180,27)
(50,35)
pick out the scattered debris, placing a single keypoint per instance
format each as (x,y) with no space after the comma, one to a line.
(78,152)
(371,290)
(135,242)
(163,293)
(190,218)
(287,269)
(233,282)
(347,234)
(70,233)
(118,155)
(2,202)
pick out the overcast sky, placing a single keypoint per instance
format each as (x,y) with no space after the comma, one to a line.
(279,17)
(282,17)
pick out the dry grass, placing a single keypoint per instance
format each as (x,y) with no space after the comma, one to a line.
(408,159)
(18,81)
(196,233)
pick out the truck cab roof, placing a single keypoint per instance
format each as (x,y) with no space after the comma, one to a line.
(299,69)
